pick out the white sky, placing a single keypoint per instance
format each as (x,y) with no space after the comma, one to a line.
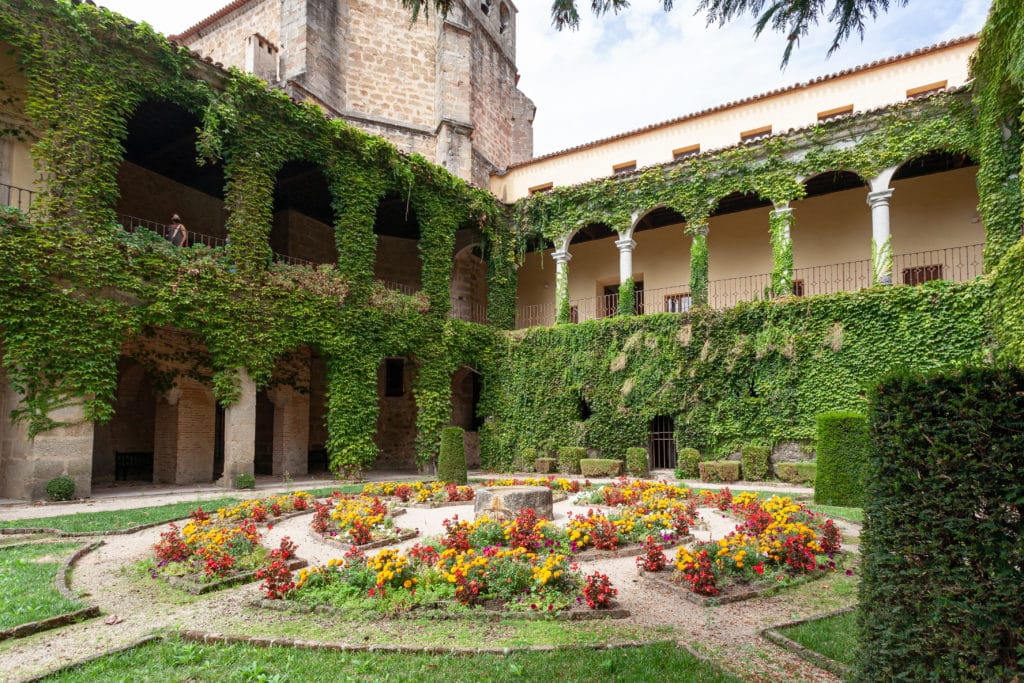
(644,66)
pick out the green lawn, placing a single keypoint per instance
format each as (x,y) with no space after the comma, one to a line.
(174,660)
(27,588)
(836,512)
(341,488)
(113,520)
(835,637)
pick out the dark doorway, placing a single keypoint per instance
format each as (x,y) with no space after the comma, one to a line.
(661,443)
(218,443)
(610,300)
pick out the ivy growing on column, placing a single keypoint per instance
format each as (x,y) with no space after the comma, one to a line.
(781,224)
(699,263)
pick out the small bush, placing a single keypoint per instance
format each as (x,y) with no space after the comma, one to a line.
(451,462)
(756,465)
(60,488)
(801,473)
(636,462)
(245,481)
(569,459)
(600,467)
(719,471)
(545,465)
(842,454)
(687,461)
(525,461)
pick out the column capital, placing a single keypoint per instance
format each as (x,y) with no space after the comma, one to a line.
(879,197)
(561,256)
(781,209)
(626,244)
(698,229)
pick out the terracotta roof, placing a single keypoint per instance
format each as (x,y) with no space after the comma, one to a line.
(215,17)
(754,98)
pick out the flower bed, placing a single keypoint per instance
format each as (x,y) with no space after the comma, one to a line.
(557,484)
(265,510)
(778,542)
(419,493)
(360,520)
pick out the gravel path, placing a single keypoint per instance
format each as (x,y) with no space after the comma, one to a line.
(728,633)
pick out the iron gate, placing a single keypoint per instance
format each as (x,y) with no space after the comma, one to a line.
(661,444)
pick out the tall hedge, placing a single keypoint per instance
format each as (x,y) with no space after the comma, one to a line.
(756,462)
(451,462)
(569,459)
(842,451)
(942,587)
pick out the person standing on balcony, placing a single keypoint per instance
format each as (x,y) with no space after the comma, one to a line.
(179,233)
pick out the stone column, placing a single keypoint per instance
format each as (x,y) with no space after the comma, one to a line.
(699,263)
(240,432)
(185,427)
(881,241)
(625,247)
(562,258)
(781,222)
(291,431)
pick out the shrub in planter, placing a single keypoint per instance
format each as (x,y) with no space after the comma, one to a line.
(451,461)
(545,465)
(842,451)
(756,466)
(600,467)
(245,481)
(525,461)
(801,473)
(719,471)
(569,459)
(636,462)
(687,461)
(60,488)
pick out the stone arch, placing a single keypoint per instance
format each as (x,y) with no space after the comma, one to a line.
(123,448)
(469,284)
(159,176)
(303,229)
(397,230)
(739,249)
(661,261)
(466,386)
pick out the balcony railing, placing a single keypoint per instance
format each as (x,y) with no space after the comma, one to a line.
(401,287)
(956,264)
(470,312)
(18,197)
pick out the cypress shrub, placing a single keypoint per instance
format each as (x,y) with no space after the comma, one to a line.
(687,463)
(756,465)
(842,451)
(942,586)
(600,467)
(719,470)
(451,462)
(636,462)
(569,459)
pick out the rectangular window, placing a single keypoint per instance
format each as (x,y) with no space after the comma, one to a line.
(755,133)
(543,187)
(920,274)
(685,152)
(798,287)
(677,303)
(923,90)
(624,167)
(394,377)
(835,113)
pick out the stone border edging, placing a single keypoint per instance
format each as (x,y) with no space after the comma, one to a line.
(61,581)
(406,535)
(257,641)
(772,635)
(714,601)
(440,614)
(195,588)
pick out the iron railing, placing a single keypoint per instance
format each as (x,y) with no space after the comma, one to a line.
(17,197)
(956,264)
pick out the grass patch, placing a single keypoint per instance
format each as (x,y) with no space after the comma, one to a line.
(835,637)
(836,512)
(177,660)
(27,575)
(116,520)
(341,488)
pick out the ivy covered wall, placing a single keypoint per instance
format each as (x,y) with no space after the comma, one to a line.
(760,371)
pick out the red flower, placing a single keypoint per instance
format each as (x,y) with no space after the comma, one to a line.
(759,567)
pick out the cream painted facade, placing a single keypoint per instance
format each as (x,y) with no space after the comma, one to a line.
(866,88)
(16,168)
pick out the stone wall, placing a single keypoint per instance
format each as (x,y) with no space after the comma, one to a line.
(398,260)
(469,287)
(132,428)
(225,40)
(396,425)
(309,239)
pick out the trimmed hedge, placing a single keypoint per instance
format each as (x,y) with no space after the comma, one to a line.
(600,467)
(802,473)
(61,488)
(719,470)
(942,586)
(756,465)
(687,463)
(569,459)
(244,480)
(636,462)
(545,465)
(525,461)
(451,461)
(842,452)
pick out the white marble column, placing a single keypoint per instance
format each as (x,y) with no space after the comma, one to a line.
(625,247)
(881,241)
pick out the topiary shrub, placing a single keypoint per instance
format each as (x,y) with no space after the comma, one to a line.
(636,462)
(719,470)
(942,590)
(687,463)
(569,459)
(451,461)
(546,465)
(801,473)
(245,480)
(842,452)
(756,465)
(60,488)
(600,467)
(525,461)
